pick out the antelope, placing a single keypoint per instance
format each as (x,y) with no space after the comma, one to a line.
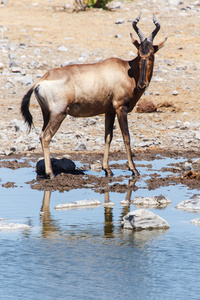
(111,87)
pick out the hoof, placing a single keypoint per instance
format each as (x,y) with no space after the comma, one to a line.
(49,176)
(135,172)
(108,172)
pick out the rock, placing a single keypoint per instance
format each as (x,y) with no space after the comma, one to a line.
(125,202)
(197,135)
(119,21)
(146,106)
(187,166)
(118,36)
(157,201)
(174,93)
(114,5)
(68,63)
(78,204)
(195,221)
(143,219)
(81,147)
(12,226)
(96,166)
(196,164)
(191,205)
(63,165)
(62,49)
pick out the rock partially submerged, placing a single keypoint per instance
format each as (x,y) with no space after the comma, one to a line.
(78,204)
(191,205)
(13,226)
(195,221)
(143,219)
(156,201)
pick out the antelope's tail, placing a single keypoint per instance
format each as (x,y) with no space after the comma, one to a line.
(25,108)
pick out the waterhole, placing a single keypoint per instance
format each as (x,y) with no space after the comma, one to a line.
(84,253)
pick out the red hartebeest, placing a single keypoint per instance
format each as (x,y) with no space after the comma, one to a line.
(112,87)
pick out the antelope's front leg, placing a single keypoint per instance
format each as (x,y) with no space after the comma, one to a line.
(123,123)
(109,121)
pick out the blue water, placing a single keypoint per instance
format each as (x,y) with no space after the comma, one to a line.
(84,253)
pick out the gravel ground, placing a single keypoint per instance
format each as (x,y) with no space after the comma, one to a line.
(38,36)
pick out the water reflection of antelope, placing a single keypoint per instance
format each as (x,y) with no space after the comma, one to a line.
(50,226)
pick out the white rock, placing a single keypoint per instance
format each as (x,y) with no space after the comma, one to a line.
(125,202)
(11,226)
(81,147)
(96,166)
(78,204)
(175,93)
(196,163)
(156,201)
(195,221)
(119,21)
(191,205)
(143,219)
(62,48)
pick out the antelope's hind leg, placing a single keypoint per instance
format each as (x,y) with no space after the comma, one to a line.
(109,122)
(51,124)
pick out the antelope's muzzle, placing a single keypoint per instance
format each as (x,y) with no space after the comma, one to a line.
(142,85)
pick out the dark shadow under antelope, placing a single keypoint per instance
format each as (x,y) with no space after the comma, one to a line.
(111,87)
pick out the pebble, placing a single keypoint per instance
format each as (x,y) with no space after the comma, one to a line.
(78,204)
(62,49)
(175,93)
(190,205)
(119,21)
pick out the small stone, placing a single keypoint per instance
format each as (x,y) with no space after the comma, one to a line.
(195,221)
(68,63)
(125,202)
(191,205)
(119,21)
(157,201)
(175,93)
(13,226)
(96,166)
(78,204)
(62,49)
(81,147)
(118,36)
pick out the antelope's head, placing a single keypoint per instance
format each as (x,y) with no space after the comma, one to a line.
(146,51)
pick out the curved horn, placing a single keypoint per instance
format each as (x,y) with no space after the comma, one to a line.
(153,34)
(139,33)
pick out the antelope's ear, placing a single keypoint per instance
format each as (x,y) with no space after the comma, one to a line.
(134,41)
(159,46)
